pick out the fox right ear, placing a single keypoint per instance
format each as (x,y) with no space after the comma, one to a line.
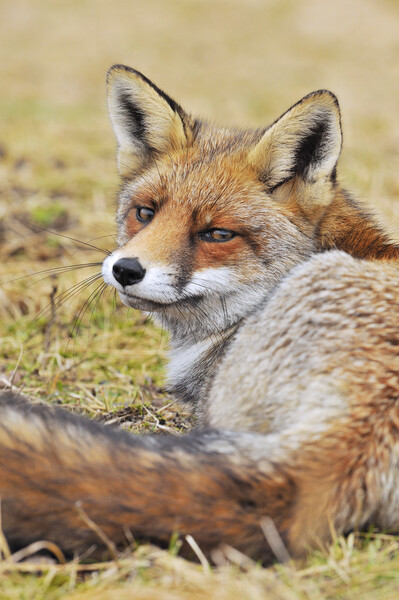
(147,123)
(305,142)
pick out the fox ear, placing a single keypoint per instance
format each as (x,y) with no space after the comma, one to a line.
(305,141)
(147,123)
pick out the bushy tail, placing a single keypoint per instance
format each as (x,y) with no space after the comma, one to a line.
(76,483)
(60,474)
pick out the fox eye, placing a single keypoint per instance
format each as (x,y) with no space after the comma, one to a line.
(217,235)
(144,214)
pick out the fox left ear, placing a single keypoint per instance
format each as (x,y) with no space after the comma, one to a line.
(147,122)
(305,141)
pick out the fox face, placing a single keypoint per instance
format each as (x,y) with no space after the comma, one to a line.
(213,248)
(210,219)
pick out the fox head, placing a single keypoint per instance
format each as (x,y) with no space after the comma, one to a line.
(210,219)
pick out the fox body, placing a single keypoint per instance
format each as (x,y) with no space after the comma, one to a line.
(280,294)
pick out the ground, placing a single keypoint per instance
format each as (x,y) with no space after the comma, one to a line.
(237,62)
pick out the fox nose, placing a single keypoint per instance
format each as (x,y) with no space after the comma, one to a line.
(128,271)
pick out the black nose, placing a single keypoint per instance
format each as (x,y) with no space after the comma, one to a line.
(128,271)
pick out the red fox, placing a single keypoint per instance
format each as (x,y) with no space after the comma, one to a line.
(281,297)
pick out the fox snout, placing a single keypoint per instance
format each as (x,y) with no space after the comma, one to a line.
(128,271)
(143,287)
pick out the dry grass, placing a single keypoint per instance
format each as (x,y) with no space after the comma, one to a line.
(237,61)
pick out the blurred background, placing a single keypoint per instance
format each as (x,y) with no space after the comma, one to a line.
(239,62)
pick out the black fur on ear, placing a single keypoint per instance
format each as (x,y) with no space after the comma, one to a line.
(311,149)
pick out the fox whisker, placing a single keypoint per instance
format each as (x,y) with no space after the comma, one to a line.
(66,295)
(90,302)
(67,237)
(51,272)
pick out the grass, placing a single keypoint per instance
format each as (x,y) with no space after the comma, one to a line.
(352,568)
(236,62)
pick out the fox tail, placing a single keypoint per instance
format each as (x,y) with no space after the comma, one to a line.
(77,483)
